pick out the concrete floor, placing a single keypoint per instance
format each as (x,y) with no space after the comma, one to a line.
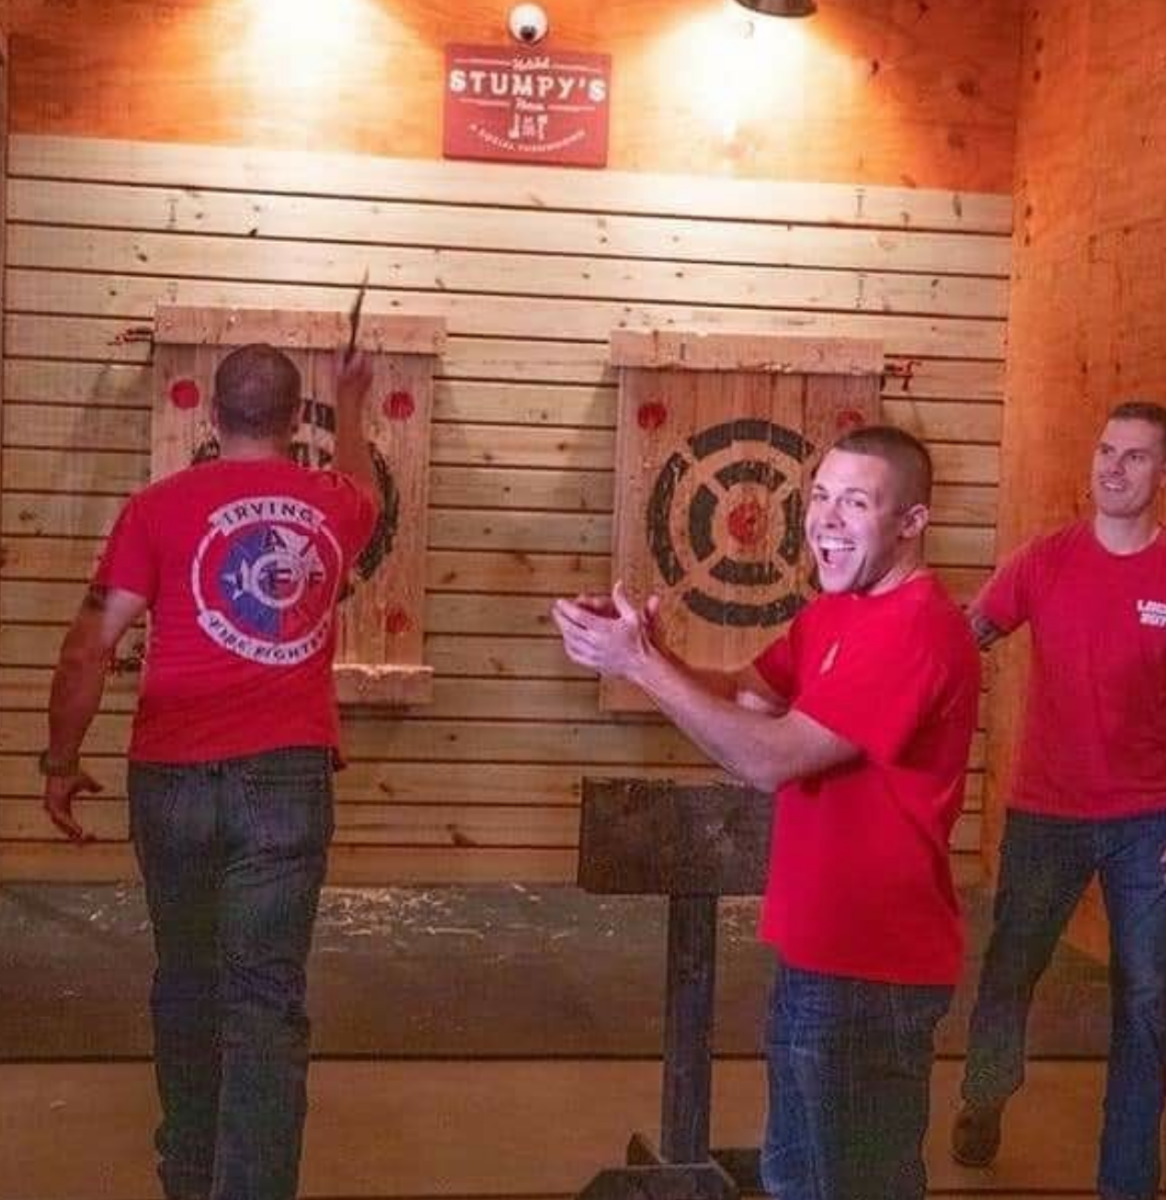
(491,971)
(470,1043)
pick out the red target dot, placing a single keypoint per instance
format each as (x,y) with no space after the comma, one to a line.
(398,406)
(652,415)
(848,419)
(397,621)
(184,393)
(747,523)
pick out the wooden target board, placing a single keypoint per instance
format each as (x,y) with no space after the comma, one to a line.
(718,436)
(379,644)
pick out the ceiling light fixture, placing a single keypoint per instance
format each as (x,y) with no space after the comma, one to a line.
(781,8)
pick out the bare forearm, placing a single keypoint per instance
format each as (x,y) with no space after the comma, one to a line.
(354,378)
(78,685)
(756,744)
(745,743)
(351,454)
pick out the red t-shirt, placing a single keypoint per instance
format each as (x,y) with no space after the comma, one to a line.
(242,564)
(1094,739)
(859,880)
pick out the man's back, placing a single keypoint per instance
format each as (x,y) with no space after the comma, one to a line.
(242,562)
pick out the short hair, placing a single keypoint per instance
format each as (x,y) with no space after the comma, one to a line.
(908,458)
(1142,410)
(257,392)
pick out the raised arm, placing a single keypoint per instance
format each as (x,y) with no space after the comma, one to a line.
(353,379)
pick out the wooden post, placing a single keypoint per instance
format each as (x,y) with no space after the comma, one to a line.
(688,1028)
(692,843)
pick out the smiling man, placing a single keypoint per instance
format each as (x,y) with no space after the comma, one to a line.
(1088,797)
(869,705)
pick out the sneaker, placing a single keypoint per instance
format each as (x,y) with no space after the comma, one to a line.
(975,1137)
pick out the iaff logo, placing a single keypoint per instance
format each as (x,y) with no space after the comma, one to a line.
(265,580)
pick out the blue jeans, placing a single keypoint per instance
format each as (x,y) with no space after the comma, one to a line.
(233,856)
(849,1087)
(1045,865)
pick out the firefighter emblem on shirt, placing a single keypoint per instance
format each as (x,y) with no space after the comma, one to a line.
(314,446)
(265,579)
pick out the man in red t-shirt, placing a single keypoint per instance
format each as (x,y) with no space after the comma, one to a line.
(240,563)
(863,739)
(1088,797)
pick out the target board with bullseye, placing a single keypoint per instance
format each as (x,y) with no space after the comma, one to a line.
(718,437)
(379,644)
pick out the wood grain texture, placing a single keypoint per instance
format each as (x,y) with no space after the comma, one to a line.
(662,350)
(872,91)
(531,271)
(1089,253)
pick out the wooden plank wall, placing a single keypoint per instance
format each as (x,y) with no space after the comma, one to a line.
(531,269)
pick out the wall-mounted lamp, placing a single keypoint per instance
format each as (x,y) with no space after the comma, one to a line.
(781,8)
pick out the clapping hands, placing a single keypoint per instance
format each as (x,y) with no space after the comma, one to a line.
(606,634)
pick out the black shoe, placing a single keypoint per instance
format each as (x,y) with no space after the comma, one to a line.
(975,1137)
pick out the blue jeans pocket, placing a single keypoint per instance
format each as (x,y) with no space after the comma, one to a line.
(289,801)
(154,796)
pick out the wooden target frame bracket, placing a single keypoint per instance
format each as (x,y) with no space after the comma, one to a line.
(380,639)
(717,437)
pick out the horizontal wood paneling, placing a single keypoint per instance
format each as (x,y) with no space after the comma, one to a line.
(175,256)
(118,425)
(522,448)
(532,270)
(118,303)
(391,825)
(155,163)
(252,214)
(531,369)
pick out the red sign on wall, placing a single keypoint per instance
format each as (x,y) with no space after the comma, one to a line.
(517,106)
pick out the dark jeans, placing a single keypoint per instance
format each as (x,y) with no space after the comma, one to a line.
(233,856)
(849,1087)
(1045,865)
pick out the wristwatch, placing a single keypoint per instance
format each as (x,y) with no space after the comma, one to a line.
(52,768)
